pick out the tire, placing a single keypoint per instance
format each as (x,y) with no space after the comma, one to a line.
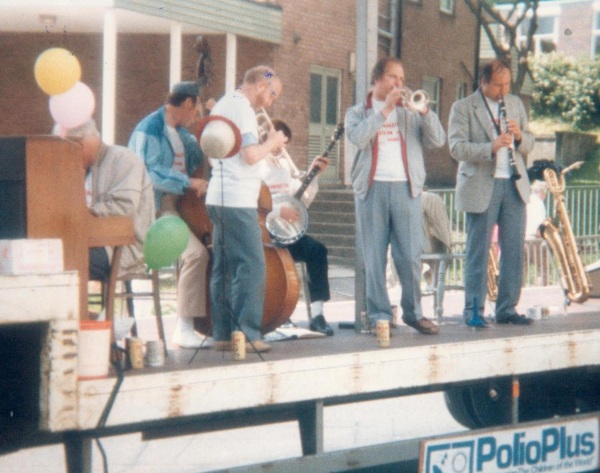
(482,405)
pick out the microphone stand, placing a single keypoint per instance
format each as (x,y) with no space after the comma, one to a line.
(228,308)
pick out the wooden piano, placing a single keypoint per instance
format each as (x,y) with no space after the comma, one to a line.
(42,196)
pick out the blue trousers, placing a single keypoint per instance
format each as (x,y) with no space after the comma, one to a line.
(389,215)
(237,285)
(509,212)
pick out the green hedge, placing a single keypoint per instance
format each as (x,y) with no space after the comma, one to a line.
(567,88)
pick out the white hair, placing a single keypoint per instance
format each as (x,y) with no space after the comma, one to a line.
(87,130)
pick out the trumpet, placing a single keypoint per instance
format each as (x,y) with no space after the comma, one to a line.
(514,173)
(416,101)
(264,126)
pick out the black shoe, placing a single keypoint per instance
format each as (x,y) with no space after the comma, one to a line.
(515,319)
(319,324)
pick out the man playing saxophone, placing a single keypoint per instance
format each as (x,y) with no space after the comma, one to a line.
(492,187)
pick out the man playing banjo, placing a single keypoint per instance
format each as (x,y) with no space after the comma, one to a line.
(277,174)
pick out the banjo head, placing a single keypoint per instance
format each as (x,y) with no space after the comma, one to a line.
(284,232)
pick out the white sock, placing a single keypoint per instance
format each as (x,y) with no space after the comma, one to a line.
(185,325)
(316,308)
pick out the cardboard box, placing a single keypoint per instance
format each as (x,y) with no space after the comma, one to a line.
(30,256)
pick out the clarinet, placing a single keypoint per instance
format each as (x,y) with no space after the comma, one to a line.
(514,173)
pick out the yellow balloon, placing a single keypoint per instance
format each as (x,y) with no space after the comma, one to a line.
(56,71)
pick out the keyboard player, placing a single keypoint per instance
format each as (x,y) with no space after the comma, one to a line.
(116,184)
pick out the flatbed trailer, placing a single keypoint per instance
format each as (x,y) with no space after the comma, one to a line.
(492,377)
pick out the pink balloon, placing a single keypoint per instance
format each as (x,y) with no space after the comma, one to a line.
(74,107)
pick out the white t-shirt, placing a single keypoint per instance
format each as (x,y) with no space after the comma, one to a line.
(536,214)
(502,165)
(277,175)
(390,166)
(234,183)
(178,150)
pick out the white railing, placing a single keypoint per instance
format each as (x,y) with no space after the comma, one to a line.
(583,204)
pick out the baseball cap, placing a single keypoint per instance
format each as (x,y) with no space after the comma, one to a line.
(186,88)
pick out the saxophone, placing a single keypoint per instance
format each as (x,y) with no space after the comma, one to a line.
(575,280)
(493,272)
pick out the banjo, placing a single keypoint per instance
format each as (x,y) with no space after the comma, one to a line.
(282,231)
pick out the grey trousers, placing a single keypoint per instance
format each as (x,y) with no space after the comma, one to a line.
(389,215)
(237,285)
(509,212)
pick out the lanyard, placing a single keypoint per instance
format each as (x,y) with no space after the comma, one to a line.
(487,106)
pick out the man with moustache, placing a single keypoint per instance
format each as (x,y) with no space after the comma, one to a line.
(388,173)
(486,192)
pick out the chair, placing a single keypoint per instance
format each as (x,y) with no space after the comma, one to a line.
(109,292)
(437,248)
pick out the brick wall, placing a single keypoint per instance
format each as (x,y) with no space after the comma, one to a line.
(23,105)
(575,28)
(439,45)
(315,32)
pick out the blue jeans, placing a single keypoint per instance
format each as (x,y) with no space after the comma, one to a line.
(237,285)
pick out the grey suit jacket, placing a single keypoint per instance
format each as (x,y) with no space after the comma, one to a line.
(470,136)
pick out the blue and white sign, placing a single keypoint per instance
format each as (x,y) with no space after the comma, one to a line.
(566,447)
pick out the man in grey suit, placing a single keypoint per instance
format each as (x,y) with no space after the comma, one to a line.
(486,188)
(387,174)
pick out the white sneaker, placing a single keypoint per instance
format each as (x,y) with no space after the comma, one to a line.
(192,340)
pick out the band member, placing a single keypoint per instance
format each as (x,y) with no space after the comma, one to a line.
(171,155)
(388,173)
(237,285)
(116,183)
(485,190)
(277,175)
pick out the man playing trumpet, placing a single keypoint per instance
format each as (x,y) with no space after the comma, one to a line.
(487,190)
(276,173)
(388,173)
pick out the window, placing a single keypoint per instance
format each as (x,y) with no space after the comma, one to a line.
(432,86)
(545,38)
(461,90)
(447,6)
(596,35)
(324,115)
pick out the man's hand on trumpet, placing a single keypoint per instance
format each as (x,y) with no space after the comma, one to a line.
(321,163)
(393,98)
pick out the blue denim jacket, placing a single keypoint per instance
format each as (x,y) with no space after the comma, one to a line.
(150,140)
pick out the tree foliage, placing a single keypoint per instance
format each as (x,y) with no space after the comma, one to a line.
(488,15)
(567,88)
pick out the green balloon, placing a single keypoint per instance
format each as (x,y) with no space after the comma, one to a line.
(166,240)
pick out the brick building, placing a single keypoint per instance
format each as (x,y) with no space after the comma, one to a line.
(568,26)
(311,43)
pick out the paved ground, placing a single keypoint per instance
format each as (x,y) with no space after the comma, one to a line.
(345,426)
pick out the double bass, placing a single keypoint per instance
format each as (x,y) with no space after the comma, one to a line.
(282,286)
